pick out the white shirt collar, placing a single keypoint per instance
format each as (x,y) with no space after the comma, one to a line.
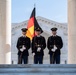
(24,35)
(54,35)
(38,35)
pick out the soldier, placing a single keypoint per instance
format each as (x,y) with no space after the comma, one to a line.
(54,44)
(38,46)
(23,45)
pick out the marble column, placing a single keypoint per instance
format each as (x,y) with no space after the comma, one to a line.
(71,31)
(5,31)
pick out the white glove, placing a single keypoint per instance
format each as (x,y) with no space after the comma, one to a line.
(23,47)
(54,49)
(38,49)
(21,50)
(33,54)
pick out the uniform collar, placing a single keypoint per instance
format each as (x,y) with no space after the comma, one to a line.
(23,35)
(54,35)
(38,35)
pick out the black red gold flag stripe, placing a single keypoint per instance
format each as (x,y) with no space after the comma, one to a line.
(32,24)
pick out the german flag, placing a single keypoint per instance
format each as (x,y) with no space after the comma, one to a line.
(32,24)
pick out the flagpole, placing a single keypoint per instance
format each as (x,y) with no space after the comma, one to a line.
(34,17)
(34,5)
(35,8)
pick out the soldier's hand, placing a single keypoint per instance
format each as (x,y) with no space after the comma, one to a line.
(21,50)
(55,47)
(23,47)
(53,50)
(33,54)
(38,49)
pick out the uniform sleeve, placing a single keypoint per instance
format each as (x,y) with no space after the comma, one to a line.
(29,43)
(49,45)
(60,43)
(44,43)
(18,43)
(33,45)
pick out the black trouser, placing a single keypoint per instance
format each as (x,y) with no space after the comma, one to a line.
(38,59)
(54,58)
(23,59)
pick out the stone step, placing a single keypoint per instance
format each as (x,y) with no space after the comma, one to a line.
(39,74)
(38,66)
(37,70)
(32,69)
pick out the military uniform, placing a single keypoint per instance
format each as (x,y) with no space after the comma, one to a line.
(38,46)
(51,42)
(23,55)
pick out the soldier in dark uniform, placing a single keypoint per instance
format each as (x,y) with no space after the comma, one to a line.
(54,44)
(38,46)
(23,45)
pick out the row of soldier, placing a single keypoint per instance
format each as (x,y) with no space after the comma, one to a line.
(38,45)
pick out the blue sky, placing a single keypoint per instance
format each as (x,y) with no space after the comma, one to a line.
(55,10)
